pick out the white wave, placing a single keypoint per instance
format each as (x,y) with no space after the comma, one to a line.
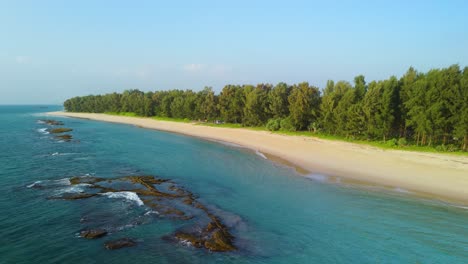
(401,190)
(78,188)
(43,131)
(152,212)
(40,122)
(50,183)
(260,154)
(186,243)
(131,196)
(461,207)
(82,158)
(64,181)
(34,184)
(63,154)
(317,177)
(127,226)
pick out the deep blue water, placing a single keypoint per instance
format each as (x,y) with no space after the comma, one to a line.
(275,215)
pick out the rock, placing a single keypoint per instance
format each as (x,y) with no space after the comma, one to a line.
(74,196)
(175,203)
(188,200)
(119,243)
(220,241)
(93,233)
(52,122)
(60,130)
(86,179)
(190,238)
(64,137)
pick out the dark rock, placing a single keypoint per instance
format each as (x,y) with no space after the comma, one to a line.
(119,243)
(174,202)
(64,137)
(220,241)
(74,196)
(188,201)
(93,233)
(194,240)
(52,122)
(60,130)
(86,179)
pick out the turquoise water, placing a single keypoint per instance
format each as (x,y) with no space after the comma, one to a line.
(275,215)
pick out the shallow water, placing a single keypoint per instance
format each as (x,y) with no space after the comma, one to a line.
(275,215)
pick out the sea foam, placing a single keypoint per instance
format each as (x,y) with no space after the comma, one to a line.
(317,177)
(43,131)
(77,188)
(34,184)
(260,154)
(131,196)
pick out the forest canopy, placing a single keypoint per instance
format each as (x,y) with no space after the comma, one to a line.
(420,108)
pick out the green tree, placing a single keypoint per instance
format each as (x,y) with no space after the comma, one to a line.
(256,111)
(304,103)
(278,99)
(207,104)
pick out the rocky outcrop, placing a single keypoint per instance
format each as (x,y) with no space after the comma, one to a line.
(93,233)
(51,122)
(59,130)
(120,243)
(73,196)
(65,137)
(164,197)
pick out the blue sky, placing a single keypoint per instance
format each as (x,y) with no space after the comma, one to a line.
(53,50)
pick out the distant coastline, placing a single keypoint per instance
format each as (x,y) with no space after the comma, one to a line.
(436,175)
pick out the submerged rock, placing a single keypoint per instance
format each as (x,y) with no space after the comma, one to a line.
(73,196)
(86,179)
(60,130)
(194,240)
(51,122)
(119,243)
(65,137)
(93,233)
(214,237)
(220,241)
(168,200)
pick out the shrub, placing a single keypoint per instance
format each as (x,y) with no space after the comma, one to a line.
(274,124)
(391,142)
(452,148)
(447,148)
(441,148)
(287,125)
(402,142)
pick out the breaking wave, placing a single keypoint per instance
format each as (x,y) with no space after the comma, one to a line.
(260,154)
(131,196)
(43,131)
(317,177)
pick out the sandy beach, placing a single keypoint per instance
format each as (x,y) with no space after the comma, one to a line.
(429,174)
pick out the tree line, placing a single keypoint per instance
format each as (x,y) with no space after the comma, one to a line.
(426,109)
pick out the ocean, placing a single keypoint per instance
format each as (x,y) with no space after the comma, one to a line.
(273,214)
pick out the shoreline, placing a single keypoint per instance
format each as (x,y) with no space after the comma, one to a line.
(438,176)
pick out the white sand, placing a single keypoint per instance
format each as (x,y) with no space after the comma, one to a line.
(439,175)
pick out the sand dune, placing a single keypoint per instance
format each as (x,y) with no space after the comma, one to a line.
(438,175)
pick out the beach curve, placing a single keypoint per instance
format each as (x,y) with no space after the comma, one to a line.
(442,176)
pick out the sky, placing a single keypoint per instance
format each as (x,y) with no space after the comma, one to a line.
(54,50)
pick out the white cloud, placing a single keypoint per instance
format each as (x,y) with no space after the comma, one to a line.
(194,67)
(22,59)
